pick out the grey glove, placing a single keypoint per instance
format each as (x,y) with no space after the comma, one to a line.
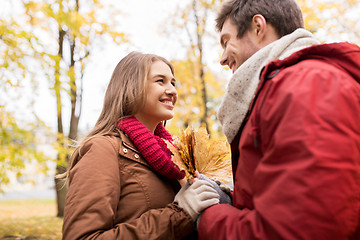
(196,197)
(225,197)
(226,188)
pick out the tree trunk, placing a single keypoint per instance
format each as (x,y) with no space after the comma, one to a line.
(59,184)
(199,35)
(75,98)
(61,190)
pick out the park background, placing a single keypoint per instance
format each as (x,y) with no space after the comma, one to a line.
(56,58)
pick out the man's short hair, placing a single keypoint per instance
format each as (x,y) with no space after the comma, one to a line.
(284,15)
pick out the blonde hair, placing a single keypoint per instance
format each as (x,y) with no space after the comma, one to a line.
(124,97)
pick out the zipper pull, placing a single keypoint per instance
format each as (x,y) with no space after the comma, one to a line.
(256,142)
(255,133)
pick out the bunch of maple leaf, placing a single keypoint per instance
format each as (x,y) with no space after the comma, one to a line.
(193,150)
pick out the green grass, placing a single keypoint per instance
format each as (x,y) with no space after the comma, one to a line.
(29,219)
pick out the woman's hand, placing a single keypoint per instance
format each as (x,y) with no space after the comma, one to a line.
(196,197)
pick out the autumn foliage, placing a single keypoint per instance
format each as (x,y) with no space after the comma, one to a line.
(194,150)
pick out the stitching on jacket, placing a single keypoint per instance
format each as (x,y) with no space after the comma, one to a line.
(141,184)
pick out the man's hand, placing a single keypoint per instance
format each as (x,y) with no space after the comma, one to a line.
(225,197)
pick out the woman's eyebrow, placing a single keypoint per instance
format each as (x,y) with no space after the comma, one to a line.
(162,76)
(159,75)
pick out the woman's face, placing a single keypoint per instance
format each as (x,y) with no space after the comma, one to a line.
(161,96)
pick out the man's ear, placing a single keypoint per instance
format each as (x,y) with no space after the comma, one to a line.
(259,26)
(263,32)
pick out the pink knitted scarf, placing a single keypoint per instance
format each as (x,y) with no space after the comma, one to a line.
(151,146)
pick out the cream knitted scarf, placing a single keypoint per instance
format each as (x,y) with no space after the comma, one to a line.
(243,84)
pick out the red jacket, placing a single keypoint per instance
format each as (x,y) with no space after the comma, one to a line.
(296,158)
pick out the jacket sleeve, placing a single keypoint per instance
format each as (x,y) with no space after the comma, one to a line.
(306,185)
(93,196)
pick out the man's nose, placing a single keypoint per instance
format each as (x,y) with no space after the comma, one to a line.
(223,59)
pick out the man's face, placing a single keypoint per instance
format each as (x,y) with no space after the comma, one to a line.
(236,50)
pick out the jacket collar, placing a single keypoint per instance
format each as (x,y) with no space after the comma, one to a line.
(344,55)
(128,150)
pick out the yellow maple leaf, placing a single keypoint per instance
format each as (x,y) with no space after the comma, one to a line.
(194,150)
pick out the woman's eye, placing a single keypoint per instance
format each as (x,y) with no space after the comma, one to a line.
(173,83)
(160,80)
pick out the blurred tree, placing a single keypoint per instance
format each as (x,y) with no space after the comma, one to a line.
(332,20)
(63,34)
(17,147)
(188,106)
(18,137)
(310,11)
(193,26)
(199,88)
(73,27)
(14,52)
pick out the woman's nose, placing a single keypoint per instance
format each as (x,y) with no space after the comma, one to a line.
(170,90)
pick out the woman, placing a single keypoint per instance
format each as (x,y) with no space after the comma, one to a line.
(122,182)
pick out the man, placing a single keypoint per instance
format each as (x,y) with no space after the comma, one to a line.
(291,113)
